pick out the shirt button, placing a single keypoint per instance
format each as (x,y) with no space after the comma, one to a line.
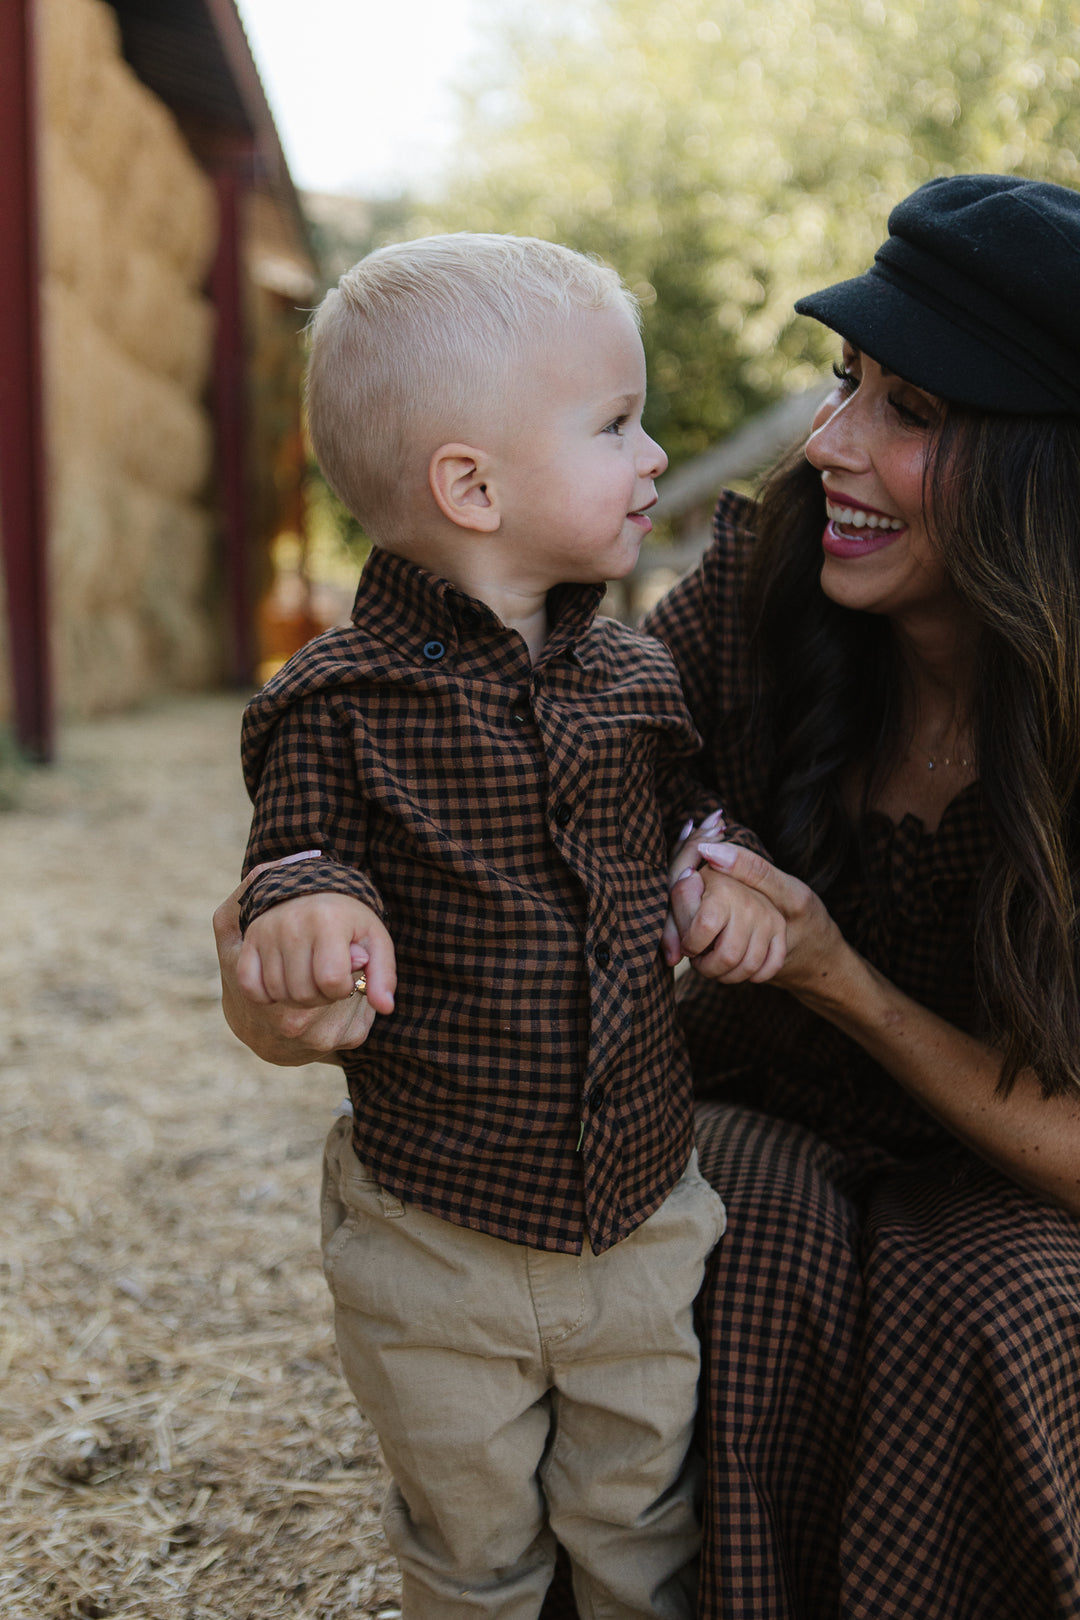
(433,651)
(563,813)
(470,618)
(594,1099)
(519,714)
(603,955)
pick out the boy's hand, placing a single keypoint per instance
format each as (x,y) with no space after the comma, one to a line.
(309,951)
(730,931)
(685,859)
(284,1034)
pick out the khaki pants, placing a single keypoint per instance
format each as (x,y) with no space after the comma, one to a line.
(522,1396)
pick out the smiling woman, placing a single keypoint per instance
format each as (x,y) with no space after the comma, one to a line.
(871,441)
(894,706)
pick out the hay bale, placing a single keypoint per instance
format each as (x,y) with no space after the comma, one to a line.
(84,378)
(124,114)
(102,661)
(129,231)
(168,205)
(74,240)
(74,38)
(131,571)
(164,438)
(161,323)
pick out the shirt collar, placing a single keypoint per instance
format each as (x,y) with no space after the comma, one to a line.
(408,608)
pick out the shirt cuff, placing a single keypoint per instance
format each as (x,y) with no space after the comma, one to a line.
(289,882)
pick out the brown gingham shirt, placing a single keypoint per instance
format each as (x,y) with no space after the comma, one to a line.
(510,824)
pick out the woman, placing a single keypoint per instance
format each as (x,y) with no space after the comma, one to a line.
(893,1321)
(883,658)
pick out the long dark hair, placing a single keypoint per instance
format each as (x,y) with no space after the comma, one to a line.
(1003,499)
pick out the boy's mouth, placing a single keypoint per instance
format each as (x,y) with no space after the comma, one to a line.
(641,517)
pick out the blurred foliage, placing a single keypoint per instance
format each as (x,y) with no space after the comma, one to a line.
(344,229)
(727,155)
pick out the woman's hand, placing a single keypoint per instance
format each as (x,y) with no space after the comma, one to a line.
(813,945)
(283,1034)
(731,932)
(1032,1139)
(791,940)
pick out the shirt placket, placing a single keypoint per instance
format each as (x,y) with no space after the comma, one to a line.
(571,762)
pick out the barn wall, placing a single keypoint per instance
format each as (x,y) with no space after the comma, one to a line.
(128,233)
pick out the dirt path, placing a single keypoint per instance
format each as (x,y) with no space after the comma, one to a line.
(176,1441)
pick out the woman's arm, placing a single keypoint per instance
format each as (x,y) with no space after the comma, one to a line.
(1032,1139)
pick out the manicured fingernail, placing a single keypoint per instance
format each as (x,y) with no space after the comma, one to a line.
(722,855)
(714,822)
(688,828)
(686,872)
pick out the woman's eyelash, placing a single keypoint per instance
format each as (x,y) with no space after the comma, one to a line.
(905,412)
(844,375)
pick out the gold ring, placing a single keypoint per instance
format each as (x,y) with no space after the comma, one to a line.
(360,987)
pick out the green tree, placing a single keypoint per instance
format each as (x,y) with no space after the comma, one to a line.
(726,155)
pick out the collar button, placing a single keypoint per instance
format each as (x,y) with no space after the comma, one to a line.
(433,651)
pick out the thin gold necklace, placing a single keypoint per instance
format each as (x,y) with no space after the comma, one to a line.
(935,762)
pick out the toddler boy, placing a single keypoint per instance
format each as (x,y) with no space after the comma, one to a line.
(487,773)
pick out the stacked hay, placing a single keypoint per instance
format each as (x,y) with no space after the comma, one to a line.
(128,234)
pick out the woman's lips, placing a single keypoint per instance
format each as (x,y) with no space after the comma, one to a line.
(867,530)
(857,545)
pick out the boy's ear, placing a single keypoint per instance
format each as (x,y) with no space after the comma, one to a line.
(457,475)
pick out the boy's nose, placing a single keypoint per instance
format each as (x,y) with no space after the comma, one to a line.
(653,459)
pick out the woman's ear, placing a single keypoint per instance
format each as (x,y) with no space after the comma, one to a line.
(458,479)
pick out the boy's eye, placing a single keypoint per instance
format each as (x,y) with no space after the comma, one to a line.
(617,425)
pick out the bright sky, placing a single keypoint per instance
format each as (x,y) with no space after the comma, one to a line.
(361,89)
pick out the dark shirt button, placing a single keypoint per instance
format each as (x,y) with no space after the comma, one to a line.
(603,955)
(433,651)
(520,714)
(595,1098)
(470,618)
(563,812)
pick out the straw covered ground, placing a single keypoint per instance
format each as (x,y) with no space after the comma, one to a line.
(176,1440)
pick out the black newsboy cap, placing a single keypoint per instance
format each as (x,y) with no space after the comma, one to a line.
(975,296)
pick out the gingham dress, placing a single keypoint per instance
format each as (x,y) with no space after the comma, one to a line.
(891,1329)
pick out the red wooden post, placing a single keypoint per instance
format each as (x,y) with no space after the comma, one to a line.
(231,419)
(22,438)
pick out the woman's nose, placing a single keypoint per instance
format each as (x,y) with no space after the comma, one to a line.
(836,439)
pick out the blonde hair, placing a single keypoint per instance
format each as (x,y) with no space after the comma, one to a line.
(420,338)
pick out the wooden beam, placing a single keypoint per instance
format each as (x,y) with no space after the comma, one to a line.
(230,378)
(22,434)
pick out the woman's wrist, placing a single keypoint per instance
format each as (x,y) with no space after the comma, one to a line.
(841,987)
